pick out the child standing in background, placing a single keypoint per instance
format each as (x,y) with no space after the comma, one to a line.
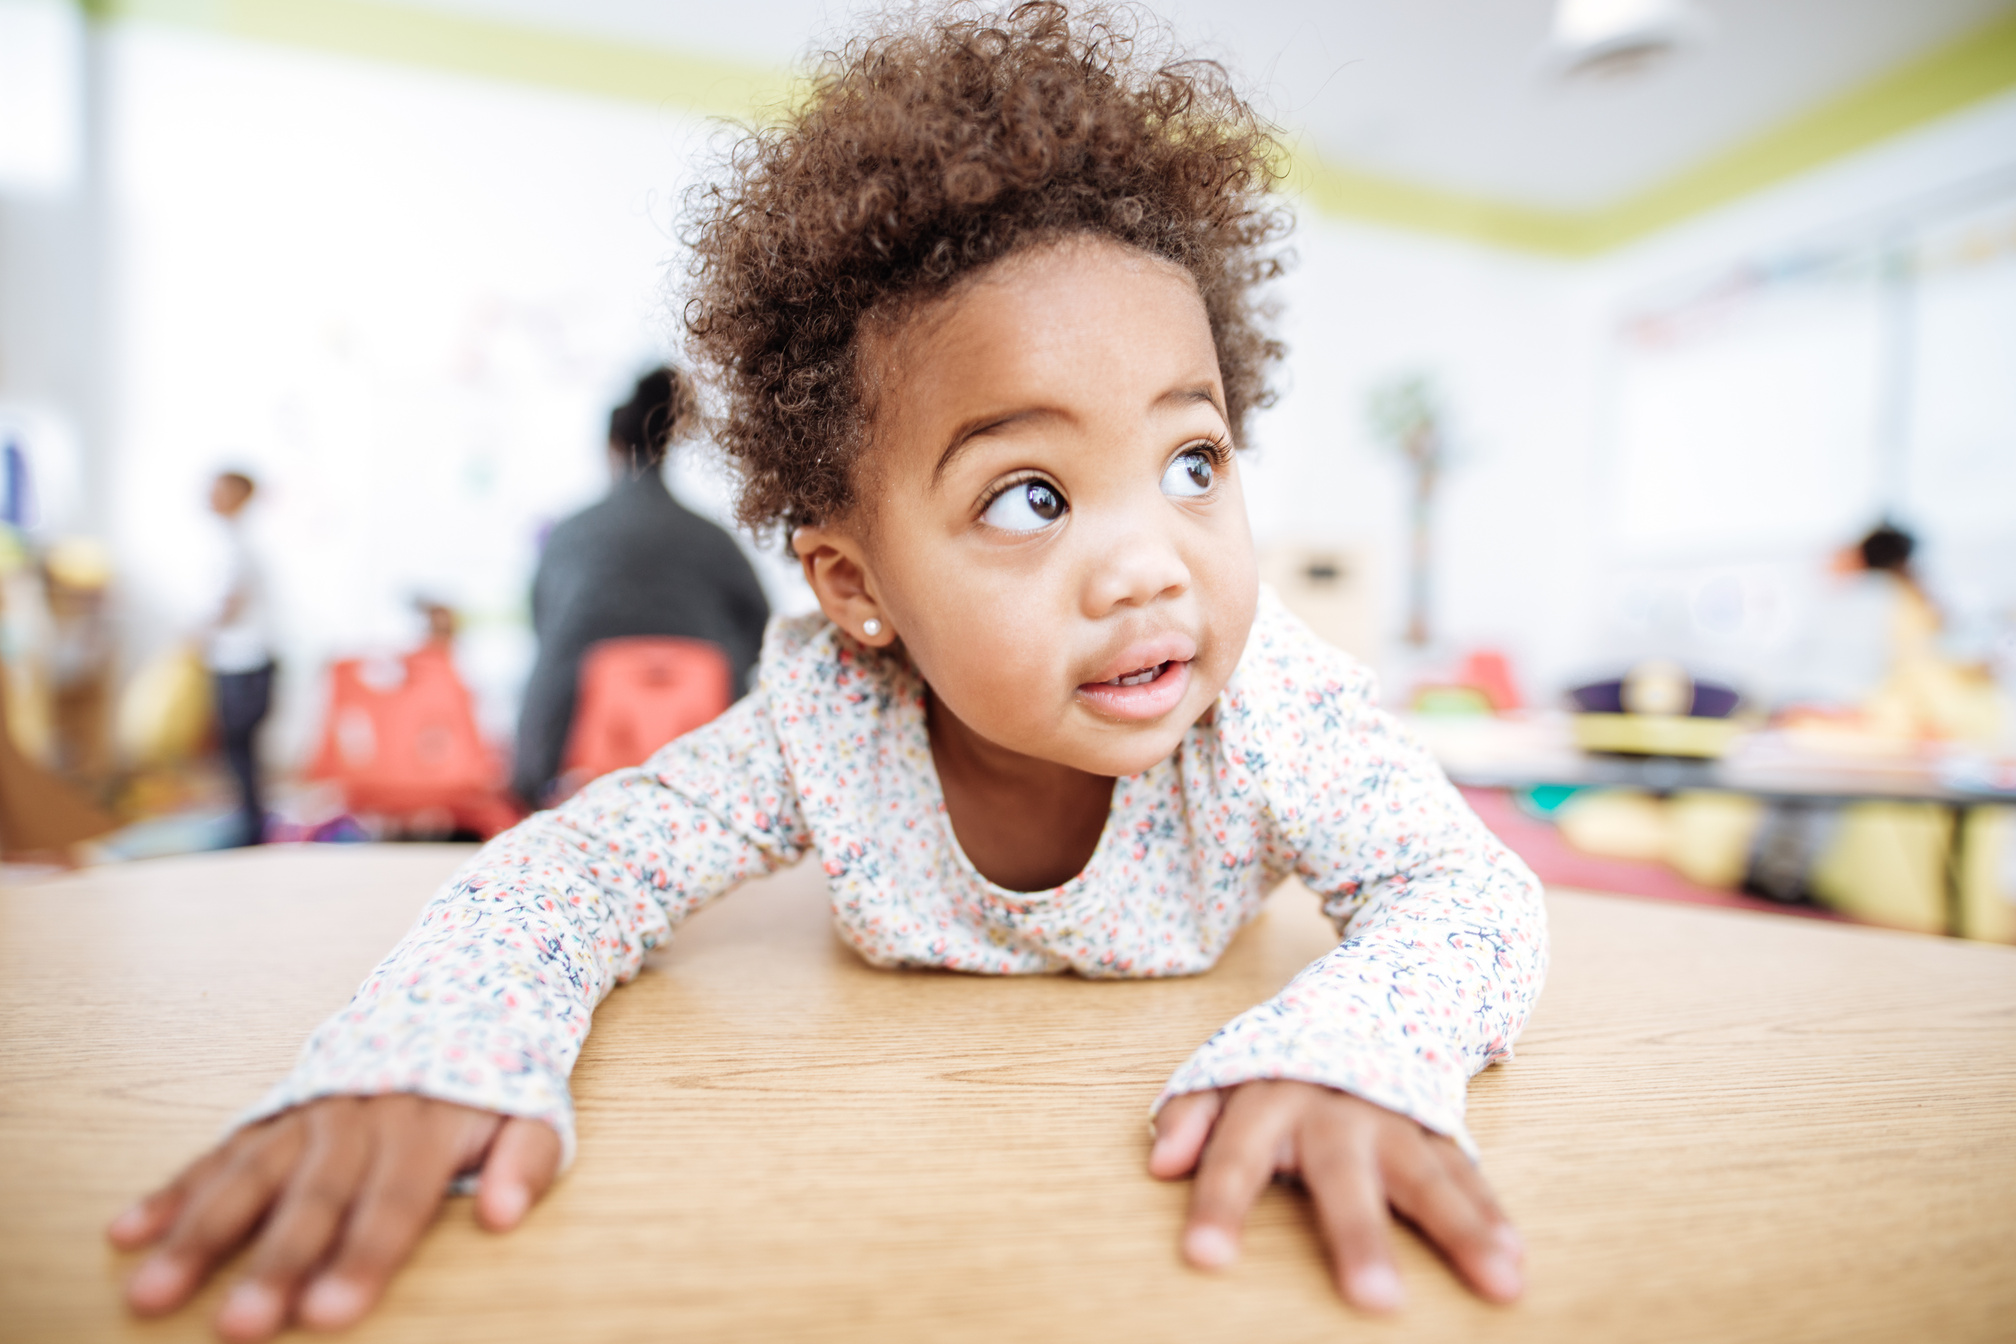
(238,650)
(982,315)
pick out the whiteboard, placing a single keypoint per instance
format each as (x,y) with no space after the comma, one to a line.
(1749,423)
(1960,476)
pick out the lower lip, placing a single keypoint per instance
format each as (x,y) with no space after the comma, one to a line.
(1149,700)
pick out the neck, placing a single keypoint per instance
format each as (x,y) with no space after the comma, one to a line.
(1026,823)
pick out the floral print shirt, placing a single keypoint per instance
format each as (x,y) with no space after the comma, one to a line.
(487,1000)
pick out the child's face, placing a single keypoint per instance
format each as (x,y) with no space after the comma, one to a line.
(1052,520)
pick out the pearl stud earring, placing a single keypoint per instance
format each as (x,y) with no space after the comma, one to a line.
(871,627)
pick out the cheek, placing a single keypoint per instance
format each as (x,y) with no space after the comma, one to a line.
(982,640)
(1228,573)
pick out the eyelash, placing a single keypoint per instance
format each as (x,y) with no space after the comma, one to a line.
(1213,447)
(1021,478)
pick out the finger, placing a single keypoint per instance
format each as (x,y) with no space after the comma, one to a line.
(1340,1168)
(411,1165)
(143,1221)
(304,1222)
(215,1217)
(1239,1160)
(1180,1130)
(1467,1175)
(1422,1187)
(524,1158)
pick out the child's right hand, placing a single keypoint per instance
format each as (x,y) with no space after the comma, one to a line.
(344,1187)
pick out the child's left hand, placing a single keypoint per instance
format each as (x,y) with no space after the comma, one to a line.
(1356,1159)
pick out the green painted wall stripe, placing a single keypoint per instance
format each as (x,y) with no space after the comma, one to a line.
(437,40)
(1977,66)
(1943,81)
(1348,194)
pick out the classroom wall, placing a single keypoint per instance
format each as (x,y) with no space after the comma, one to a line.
(405,302)
(1904,396)
(1546,547)
(1506,339)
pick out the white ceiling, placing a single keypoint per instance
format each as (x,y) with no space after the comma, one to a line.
(1451,94)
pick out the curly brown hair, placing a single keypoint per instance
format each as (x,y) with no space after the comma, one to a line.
(923,155)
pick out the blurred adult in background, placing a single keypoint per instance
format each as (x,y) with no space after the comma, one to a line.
(1878,670)
(637,563)
(1879,675)
(238,650)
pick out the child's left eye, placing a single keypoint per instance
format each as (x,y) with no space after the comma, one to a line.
(1189,475)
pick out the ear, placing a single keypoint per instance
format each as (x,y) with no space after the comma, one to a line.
(837,568)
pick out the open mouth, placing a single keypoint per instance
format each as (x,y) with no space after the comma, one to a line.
(1144,694)
(1141,677)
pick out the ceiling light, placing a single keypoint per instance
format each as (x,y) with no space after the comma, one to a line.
(1618,37)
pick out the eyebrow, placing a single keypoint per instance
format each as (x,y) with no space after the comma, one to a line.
(987,424)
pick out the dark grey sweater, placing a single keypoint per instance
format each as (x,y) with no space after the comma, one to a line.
(638,563)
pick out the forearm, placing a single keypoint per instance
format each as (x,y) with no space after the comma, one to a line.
(488,999)
(1433,982)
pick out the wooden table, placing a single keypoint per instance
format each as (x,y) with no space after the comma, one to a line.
(1721,1126)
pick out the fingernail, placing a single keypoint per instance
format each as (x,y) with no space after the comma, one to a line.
(1375,1288)
(131,1223)
(1209,1248)
(332,1302)
(1514,1244)
(1502,1271)
(158,1279)
(251,1307)
(508,1205)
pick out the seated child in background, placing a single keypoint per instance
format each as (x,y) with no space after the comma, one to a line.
(981,316)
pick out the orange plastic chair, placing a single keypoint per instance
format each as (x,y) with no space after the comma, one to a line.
(1491,672)
(401,739)
(635,695)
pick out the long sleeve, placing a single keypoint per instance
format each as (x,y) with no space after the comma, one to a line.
(1444,931)
(487,1000)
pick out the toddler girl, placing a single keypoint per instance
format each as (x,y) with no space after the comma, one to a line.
(981,316)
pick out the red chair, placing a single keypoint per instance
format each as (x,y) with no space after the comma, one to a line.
(1491,672)
(401,739)
(636,694)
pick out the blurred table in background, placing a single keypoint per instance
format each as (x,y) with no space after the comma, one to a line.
(1529,751)
(1539,751)
(1720,1127)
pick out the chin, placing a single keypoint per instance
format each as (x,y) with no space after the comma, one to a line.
(1130,750)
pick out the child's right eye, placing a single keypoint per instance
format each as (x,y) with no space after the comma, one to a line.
(1026,506)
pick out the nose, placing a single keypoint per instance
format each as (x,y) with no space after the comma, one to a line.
(1134,560)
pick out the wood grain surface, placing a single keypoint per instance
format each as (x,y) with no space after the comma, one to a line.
(1720,1126)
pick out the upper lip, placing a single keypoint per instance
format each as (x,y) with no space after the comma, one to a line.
(1150,651)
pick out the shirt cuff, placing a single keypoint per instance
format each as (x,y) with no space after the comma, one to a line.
(1326,1033)
(476,1064)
